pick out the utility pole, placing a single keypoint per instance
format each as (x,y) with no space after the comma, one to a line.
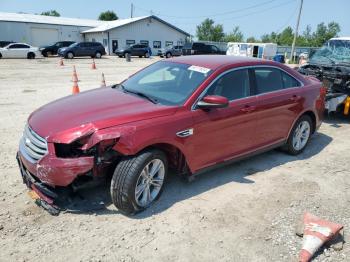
(132,11)
(296,30)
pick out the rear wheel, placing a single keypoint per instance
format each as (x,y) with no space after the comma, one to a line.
(168,55)
(30,55)
(300,136)
(0,55)
(70,55)
(98,55)
(138,181)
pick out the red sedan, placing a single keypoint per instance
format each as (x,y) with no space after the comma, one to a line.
(186,114)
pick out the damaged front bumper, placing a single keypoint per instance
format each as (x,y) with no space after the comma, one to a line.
(48,174)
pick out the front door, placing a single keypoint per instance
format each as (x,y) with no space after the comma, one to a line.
(221,134)
(114,45)
(279,104)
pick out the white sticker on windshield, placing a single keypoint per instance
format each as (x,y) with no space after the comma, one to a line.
(199,69)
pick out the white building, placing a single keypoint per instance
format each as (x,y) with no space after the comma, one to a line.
(38,30)
(150,30)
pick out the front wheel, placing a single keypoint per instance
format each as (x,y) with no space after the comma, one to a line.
(138,181)
(168,55)
(70,55)
(30,55)
(300,136)
(147,55)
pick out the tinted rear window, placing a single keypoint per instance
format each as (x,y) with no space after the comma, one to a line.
(268,80)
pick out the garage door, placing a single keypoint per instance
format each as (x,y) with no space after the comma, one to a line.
(44,36)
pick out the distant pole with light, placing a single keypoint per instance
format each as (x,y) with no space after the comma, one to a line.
(132,11)
(296,30)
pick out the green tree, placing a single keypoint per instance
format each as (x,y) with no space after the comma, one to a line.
(286,37)
(325,32)
(108,16)
(235,36)
(51,13)
(208,31)
(252,39)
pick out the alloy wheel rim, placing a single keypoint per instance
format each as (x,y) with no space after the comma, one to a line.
(301,135)
(150,182)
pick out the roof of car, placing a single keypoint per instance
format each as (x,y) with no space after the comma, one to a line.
(215,61)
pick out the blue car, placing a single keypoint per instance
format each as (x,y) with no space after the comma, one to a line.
(93,49)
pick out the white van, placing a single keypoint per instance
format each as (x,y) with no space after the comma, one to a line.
(259,50)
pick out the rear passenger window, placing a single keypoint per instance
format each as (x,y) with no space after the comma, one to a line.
(268,80)
(289,81)
(233,85)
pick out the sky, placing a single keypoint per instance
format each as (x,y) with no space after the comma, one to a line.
(254,17)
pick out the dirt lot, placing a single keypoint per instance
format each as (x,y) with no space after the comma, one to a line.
(243,212)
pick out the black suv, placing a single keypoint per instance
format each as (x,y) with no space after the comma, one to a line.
(197,48)
(93,49)
(134,50)
(52,49)
(5,43)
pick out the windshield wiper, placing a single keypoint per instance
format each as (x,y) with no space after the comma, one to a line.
(125,90)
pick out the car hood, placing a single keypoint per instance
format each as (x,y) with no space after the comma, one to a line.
(62,49)
(71,117)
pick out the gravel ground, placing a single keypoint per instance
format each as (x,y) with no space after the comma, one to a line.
(242,212)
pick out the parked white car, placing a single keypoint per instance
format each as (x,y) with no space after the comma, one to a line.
(19,50)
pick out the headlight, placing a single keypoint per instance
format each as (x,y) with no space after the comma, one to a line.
(41,48)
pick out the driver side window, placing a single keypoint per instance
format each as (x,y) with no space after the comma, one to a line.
(233,85)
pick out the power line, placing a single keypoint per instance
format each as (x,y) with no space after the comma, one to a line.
(210,15)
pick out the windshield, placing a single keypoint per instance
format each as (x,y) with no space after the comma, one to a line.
(333,52)
(167,83)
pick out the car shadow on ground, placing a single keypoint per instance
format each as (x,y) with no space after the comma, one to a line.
(177,189)
(336,119)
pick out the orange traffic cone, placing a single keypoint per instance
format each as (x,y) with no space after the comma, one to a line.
(61,62)
(75,76)
(347,106)
(103,83)
(316,232)
(93,65)
(75,88)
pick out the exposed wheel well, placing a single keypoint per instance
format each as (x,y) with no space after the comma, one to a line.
(313,118)
(176,158)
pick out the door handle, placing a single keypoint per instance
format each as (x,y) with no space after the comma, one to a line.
(248,109)
(295,98)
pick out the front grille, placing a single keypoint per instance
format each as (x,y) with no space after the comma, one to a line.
(33,145)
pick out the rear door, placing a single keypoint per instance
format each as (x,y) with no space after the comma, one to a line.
(221,134)
(279,103)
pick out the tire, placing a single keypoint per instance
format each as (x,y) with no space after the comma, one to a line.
(98,55)
(168,55)
(147,55)
(30,55)
(140,56)
(70,55)
(302,128)
(45,54)
(0,55)
(130,175)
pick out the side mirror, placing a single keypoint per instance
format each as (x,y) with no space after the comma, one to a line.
(213,102)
